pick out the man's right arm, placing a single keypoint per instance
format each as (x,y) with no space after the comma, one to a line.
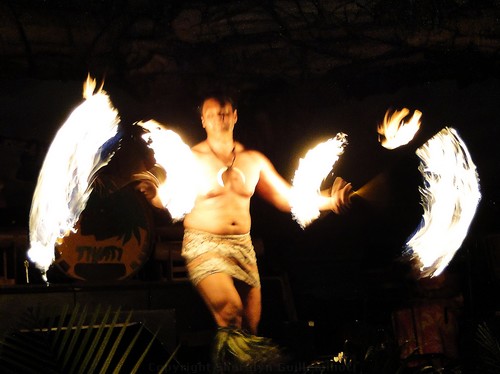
(148,183)
(150,192)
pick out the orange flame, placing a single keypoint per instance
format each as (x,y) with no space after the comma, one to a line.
(394,132)
(312,170)
(450,197)
(89,88)
(175,156)
(65,180)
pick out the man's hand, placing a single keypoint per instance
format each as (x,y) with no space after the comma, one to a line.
(340,196)
(147,188)
(150,192)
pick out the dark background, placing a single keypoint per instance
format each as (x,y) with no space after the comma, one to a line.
(301,71)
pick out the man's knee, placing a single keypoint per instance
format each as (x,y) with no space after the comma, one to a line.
(231,312)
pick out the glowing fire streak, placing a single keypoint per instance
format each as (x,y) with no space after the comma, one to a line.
(65,180)
(179,192)
(449,200)
(312,171)
(394,132)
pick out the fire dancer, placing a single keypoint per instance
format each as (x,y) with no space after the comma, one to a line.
(217,247)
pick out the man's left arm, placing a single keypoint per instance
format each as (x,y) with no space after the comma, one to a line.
(272,186)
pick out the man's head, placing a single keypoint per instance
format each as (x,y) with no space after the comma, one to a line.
(221,98)
(218,113)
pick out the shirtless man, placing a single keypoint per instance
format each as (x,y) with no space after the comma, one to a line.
(217,245)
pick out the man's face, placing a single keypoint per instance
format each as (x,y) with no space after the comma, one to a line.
(218,117)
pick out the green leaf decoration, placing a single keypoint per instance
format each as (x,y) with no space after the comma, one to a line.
(488,350)
(235,350)
(78,340)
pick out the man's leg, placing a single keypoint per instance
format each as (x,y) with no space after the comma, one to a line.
(233,346)
(222,298)
(252,306)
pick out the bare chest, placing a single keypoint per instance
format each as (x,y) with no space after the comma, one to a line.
(216,179)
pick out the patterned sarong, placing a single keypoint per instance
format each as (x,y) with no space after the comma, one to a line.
(207,254)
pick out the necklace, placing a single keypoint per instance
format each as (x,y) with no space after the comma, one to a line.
(229,167)
(218,158)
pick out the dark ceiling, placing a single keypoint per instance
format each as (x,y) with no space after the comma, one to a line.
(153,46)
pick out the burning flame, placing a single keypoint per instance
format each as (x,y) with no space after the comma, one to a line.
(394,132)
(70,166)
(179,193)
(312,171)
(449,199)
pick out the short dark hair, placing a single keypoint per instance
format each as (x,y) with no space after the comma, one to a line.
(221,98)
